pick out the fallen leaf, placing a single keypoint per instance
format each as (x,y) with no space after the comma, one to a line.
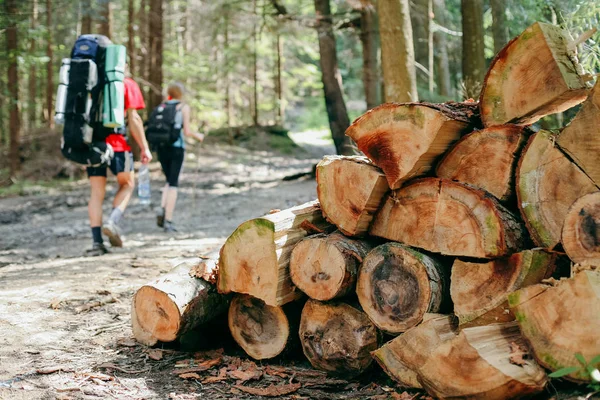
(402,396)
(251,373)
(272,390)
(98,376)
(127,342)
(275,372)
(51,370)
(203,366)
(219,378)
(125,371)
(155,354)
(189,375)
(516,354)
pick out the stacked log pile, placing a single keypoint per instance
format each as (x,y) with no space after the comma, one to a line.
(444,236)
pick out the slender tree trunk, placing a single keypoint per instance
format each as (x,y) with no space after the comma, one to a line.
(499,26)
(397,53)
(156,51)
(369,37)
(430,44)
(12,47)
(418,19)
(142,70)
(86,19)
(106,25)
(131,36)
(332,80)
(255,68)
(278,81)
(228,106)
(32,101)
(441,52)
(49,67)
(473,57)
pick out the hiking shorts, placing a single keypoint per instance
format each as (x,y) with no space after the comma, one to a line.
(171,161)
(122,162)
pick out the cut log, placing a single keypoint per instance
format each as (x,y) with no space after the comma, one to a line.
(479,290)
(533,76)
(580,139)
(350,190)
(581,230)
(175,303)
(325,266)
(448,218)
(485,362)
(255,258)
(547,186)
(485,159)
(262,331)
(561,321)
(397,285)
(141,336)
(405,139)
(337,338)
(401,357)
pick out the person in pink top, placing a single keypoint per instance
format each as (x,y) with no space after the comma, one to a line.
(122,167)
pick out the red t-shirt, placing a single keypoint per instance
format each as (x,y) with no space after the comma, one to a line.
(133,99)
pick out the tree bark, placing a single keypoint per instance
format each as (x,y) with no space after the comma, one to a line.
(442,70)
(581,230)
(431,79)
(404,140)
(350,190)
(49,67)
(499,26)
(255,66)
(12,49)
(485,159)
(397,52)
(155,30)
(131,37)
(419,25)
(479,291)
(106,23)
(561,321)
(332,80)
(396,286)
(278,77)
(473,57)
(337,338)
(547,184)
(33,97)
(228,102)
(446,217)
(86,19)
(369,37)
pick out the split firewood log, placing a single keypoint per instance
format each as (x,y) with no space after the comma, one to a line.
(479,290)
(397,285)
(580,139)
(405,139)
(325,266)
(337,337)
(450,218)
(581,230)
(540,60)
(174,304)
(485,159)
(263,331)
(401,357)
(255,258)
(547,186)
(350,190)
(561,321)
(484,362)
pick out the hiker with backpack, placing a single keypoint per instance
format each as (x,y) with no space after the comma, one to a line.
(167,127)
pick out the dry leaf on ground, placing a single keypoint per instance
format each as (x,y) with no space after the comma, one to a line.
(189,375)
(203,366)
(516,354)
(251,372)
(273,371)
(155,354)
(215,379)
(127,342)
(402,396)
(272,390)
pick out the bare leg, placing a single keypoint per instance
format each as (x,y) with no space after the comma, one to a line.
(98,190)
(170,203)
(163,201)
(126,183)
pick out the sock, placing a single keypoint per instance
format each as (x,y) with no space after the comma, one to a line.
(97,234)
(116,215)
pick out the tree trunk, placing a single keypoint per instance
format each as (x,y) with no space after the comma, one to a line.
(561,321)
(442,70)
(33,98)
(538,61)
(144,48)
(86,19)
(265,274)
(176,303)
(397,285)
(278,78)
(580,139)
(405,139)
(106,23)
(155,73)
(482,363)
(337,338)
(49,68)
(419,25)
(228,102)
(140,334)
(350,190)
(370,45)
(332,80)
(479,290)
(131,37)
(473,56)
(547,184)
(262,331)
(499,26)
(431,79)
(446,217)
(397,52)
(12,52)
(581,230)
(401,357)
(485,159)
(325,266)
(255,66)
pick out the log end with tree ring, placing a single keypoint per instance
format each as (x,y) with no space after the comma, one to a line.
(261,330)
(561,321)
(157,313)
(485,159)
(581,230)
(531,77)
(547,185)
(337,338)
(479,290)
(396,286)
(142,336)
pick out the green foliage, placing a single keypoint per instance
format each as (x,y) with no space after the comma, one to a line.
(585,368)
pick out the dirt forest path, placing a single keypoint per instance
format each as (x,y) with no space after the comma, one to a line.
(65,319)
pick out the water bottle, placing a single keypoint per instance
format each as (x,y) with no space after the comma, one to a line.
(61,94)
(144,185)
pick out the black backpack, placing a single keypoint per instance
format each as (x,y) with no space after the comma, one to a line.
(162,128)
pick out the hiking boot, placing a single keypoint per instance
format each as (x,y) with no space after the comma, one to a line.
(98,249)
(160,220)
(169,228)
(113,232)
